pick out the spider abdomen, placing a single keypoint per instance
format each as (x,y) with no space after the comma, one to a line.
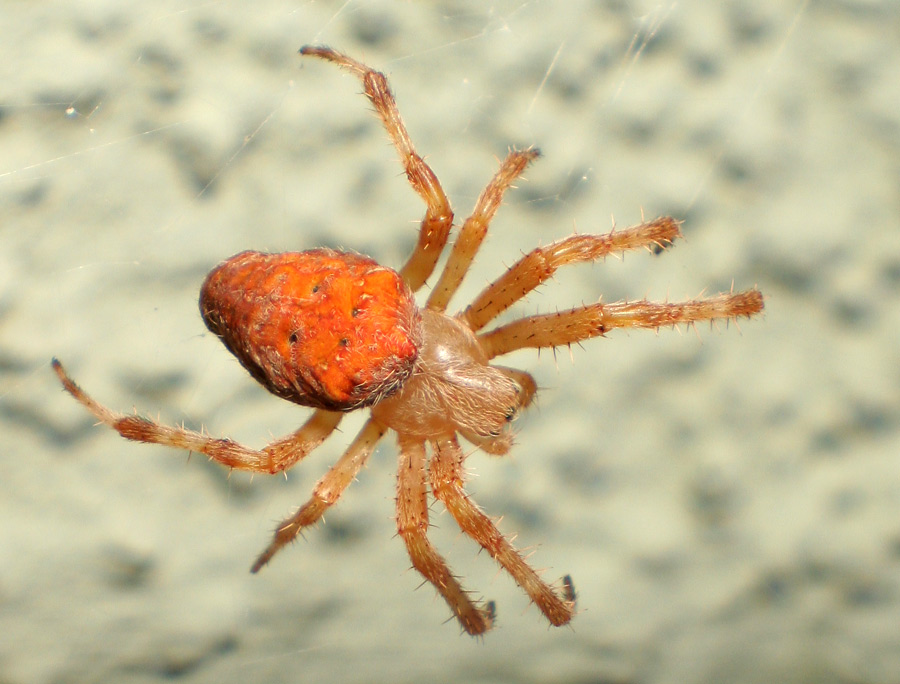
(321,328)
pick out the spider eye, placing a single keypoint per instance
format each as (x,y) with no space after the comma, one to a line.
(293,338)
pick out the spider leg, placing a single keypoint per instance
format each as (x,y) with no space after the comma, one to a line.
(575,325)
(447,486)
(438,218)
(327,490)
(277,456)
(475,227)
(541,263)
(412,525)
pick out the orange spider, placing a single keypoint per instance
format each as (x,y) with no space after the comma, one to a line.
(337,332)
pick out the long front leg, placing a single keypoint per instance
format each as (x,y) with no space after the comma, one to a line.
(438,216)
(326,492)
(447,486)
(412,525)
(473,231)
(277,456)
(540,264)
(568,327)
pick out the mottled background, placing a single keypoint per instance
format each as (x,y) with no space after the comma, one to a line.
(727,502)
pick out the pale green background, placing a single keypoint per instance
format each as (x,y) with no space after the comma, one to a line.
(727,502)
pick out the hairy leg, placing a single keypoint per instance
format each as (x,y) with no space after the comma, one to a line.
(475,227)
(412,525)
(438,216)
(277,456)
(541,263)
(447,486)
(326,492)
(575,325)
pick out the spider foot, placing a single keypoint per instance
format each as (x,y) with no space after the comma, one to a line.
(490,613)
(477,620)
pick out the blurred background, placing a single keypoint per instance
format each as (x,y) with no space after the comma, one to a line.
(726,500)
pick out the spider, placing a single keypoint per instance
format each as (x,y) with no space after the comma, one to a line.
(337,332)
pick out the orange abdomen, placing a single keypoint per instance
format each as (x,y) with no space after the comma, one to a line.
(321,328)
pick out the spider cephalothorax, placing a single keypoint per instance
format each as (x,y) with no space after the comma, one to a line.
(336,331)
